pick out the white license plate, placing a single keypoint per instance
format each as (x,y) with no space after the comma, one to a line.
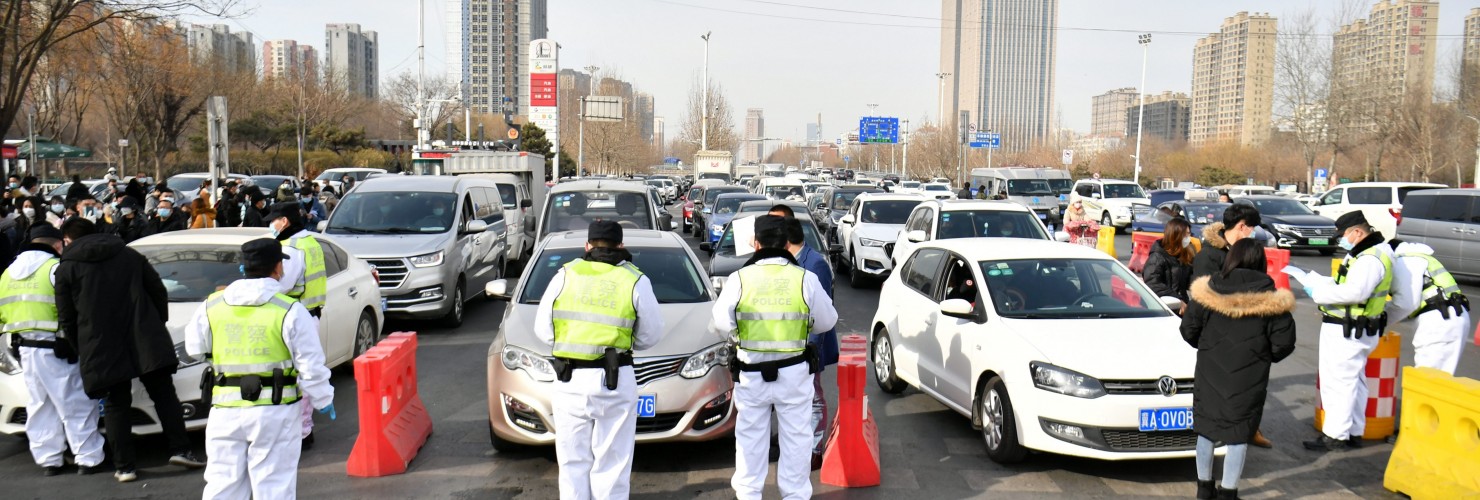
(1043,216)
(1319,241)
(1166,419)
(647,405)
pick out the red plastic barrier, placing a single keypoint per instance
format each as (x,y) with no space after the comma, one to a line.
(852,457)
(393,422)
(1141,249)
(1121,291)
(1276,260)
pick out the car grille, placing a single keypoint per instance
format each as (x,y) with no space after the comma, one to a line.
(392,272)
(663,422)
(1315,232)
(649,369)
(1150,441)
(1143,387)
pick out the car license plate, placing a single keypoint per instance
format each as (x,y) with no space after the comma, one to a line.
(1043,216)
(384,304)
(1166,419)
(647,405)
(1319,241)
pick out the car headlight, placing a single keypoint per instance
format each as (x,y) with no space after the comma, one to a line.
(1121,210)
(1064,381)
(8,364)
(186,360)
(429,260)
(1283,228)
(538,367)
(699,364)
(1053,211)
(872,243)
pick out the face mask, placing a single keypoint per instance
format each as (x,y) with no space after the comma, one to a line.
(29,212)
(126,211)
(438,212)
(14,185)
(1186,241)
(164,212)
(58,207)
(276,232)
(306,198)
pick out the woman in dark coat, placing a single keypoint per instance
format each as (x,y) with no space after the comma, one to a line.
(1240,325)
(1168,268)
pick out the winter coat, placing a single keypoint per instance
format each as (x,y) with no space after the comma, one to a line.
(1209,260)
(78,191)
(113,306)
(175,222)
(129,229)
(228,212)
(1166,275)
(252,217)
(1239,325)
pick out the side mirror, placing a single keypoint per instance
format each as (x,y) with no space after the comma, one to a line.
(718,282)
(1095,196)
(323,225)
(665,219)
(915,236)
(476,226)
(1173,303)
(706,247)
(526,203)
(848,219)
(957,308)
(1061,236)
(822,206)
(498,289)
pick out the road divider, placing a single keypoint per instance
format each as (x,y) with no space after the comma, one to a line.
(1381,377)
(1275,261)
(1141,250)
(1105,241)
(1438,452)
(394,423)
(852,456)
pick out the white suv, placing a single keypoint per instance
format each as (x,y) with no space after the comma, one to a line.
(873,223)
(1381,202)
(1112,202)
(952,219)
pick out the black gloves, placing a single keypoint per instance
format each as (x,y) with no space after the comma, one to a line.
(64,351)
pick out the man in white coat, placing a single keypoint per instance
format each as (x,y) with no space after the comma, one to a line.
(595,312)
(265,353)
(1353,319)
(1423,290)
(771,307)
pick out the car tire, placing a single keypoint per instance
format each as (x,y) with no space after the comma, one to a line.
(999,424)
(883,359)
(454,317)
(1106,222)
(856,278)
(502,445)
(366,333)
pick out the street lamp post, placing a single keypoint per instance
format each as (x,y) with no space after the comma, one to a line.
(1145,41)
(941,99)
(704,102)
(581,117)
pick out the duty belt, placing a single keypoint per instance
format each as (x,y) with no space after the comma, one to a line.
(17,342)
(1457,302)
(770,370)
(611,361)
(251,385)
(1360,326)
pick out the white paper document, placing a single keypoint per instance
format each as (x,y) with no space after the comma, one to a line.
(744,229)
(1306,278)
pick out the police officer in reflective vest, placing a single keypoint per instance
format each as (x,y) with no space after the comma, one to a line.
(770,307)
(265,357)
(1352,313)
(1424,291)
(597,310)
(304,276)
(59,411)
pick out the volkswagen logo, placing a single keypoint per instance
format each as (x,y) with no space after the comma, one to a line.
(1167,386)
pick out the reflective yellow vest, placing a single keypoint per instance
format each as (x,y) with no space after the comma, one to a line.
(29,304)
(248,340)
(772,315)
(1375,303)
(312,288)
(594,310)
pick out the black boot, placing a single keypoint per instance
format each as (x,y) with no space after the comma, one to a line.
(1327,443)
(1205,490)
(1227,494)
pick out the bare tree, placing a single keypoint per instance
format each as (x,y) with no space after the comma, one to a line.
(1302,70)
(722,133)
(401,94)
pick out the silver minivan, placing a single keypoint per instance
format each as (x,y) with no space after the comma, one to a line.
(433,239)
(1448,220)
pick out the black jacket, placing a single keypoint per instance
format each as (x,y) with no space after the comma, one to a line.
(129,229)
(1240,325)
(1166,275)
(78,191)
(175,222)
(228,212)
(1209,260)
(113,308)
(253,217)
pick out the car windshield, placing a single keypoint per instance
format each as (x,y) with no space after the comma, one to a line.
(1123,191)
(988,223)
(712,193)
(937,187)
(910,184)
(1195,213)
(843,200)
(193,272)
(508,196)
(1280,207)
(269,183)
(675,278)
(1029,187)
(887,211)
(1067,288)
(1061,186)
(185,184)
(394,212)
(783,191)
(715,175)
(576,210)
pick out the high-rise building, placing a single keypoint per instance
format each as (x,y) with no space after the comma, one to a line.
(487,50)
(287,59)
(1001,55)
(1233,82)
(814,134)
(1383,59)
(1167,115)
(352,58)
(642,112)
(660,136)
(1470,72)
(216,44)
(1108,118)
(755,129)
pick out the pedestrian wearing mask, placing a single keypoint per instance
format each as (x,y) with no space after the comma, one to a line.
(304,277)
(127,224)
(313,211)
(161,192)
(228,209)
(252,441)
(596,311)
(112,302)
(770,308)
(1168,270)
(1353,319)
(254,207)
(58,412)
(165,218)
(1240,325)
(1424,292)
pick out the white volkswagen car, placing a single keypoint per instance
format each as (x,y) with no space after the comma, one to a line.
(194,264)
(870,225)
(1043,346)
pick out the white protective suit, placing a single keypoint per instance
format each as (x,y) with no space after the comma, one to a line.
(58,412)
(1343,361)
(293,270)
(791,395)
(1437,342)
(595,428)
(253,452)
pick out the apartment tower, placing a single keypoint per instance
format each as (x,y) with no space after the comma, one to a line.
(487,51)
(1108,118)
(755,129)
(1381,60)
(1000,55)
(1233,82)
(352,59)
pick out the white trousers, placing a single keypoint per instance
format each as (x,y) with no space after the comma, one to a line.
(791,395)
(307,402)
(1342,367)
(253,452)
(59,412)
(1438,342)
(595,430)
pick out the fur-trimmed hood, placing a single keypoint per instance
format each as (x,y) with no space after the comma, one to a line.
(1239,304)
(1213,235)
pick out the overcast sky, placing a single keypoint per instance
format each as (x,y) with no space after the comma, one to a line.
(798,58)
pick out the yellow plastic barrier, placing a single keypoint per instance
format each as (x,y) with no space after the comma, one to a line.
(1438,452)
(1381,377)
(1105,241)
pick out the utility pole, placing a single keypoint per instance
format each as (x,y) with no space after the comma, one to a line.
(1476,179)
(421,73)
(941,99)
(1145,41)
(704,132)
(904,170)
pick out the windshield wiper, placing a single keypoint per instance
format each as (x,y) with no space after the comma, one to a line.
(361,230)
(1030,316)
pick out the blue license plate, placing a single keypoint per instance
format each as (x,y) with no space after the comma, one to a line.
(1043,216)
(647,405)
(1166,419)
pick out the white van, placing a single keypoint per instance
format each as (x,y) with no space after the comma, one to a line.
(1110,201)
(1382,202)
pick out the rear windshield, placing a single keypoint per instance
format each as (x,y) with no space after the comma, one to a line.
(576,210)
(508,196)
(192,273)
(676,280)
(713,193)
(887,211)
(989,223)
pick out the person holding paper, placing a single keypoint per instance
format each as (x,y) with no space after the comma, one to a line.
(1353,317)
(1424,291)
